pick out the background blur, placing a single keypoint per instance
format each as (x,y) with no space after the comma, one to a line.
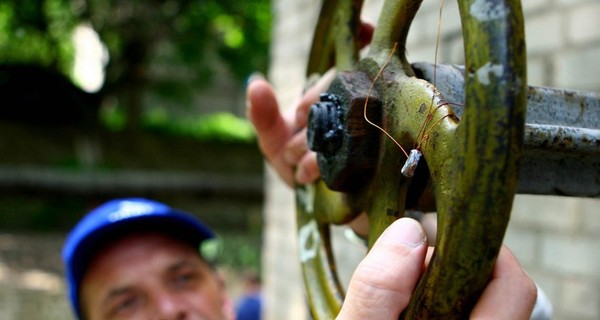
(106,98)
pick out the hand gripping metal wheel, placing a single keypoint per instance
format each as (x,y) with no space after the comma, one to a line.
(470,167)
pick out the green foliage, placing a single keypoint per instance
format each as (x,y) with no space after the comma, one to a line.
(239,31)
(222,126)
(235,45)
(114,119)
(37,33)
(240,251)
(169,45)
(217,127)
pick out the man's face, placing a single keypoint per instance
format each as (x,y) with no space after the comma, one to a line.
(152,276)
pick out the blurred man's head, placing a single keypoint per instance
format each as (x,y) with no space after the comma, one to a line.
(140,259)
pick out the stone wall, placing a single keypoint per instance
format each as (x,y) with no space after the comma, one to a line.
(556,239)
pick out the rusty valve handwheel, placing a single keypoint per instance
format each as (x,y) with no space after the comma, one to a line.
(471,164)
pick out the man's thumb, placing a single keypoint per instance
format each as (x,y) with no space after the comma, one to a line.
(384,281)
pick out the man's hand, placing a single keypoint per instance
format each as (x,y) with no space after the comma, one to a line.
(383,282)
(282,137)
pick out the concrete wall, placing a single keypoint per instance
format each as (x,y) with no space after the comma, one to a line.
(556,239)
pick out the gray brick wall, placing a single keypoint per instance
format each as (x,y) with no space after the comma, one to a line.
(556,239)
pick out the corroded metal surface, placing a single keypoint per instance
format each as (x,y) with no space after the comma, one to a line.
(562,135)
(561,161)
(475,181)
(555,106)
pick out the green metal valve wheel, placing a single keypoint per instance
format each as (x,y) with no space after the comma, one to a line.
(469,170)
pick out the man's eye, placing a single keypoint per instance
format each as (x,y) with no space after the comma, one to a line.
(124,306)
(185,279)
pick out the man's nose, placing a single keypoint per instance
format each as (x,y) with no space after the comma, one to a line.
(170,307)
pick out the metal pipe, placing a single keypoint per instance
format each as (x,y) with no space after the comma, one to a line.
(562,134)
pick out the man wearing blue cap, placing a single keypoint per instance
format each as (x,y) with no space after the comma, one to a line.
(140,259)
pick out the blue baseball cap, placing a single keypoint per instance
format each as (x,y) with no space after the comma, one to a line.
(115,219)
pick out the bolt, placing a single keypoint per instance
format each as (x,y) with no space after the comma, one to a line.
(346,145)
(325,125)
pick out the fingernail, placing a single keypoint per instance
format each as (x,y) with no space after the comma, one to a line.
(409,232)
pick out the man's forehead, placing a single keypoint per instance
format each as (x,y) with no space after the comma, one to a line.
(134,256)
(147,243)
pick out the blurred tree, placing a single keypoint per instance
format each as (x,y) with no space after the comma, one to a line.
(37,32)
(182,36)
